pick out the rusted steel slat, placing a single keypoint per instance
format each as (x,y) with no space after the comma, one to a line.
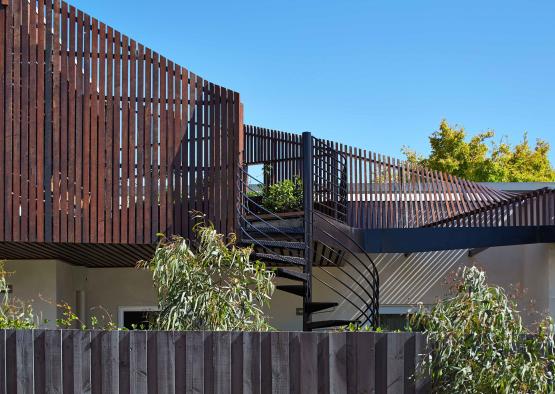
(116,140)
(64,130)
(199,148)
(219,193)
(225,160)
(79,80)
(390,218)
(170,152)
(72,116)
(109,136)
(446,194)
(229,182)
(3,105)
(33,105)
(16,179)
(7,179)
(139,114)
(191,143)
(232,161)
(163,147)
(129,205)
(206,178)
(95,103)
(177,154)
(184,175)
(360,180)
(125,139)
(211,146)
(103,216)
(422,200)
(155,147)
(87,147)
(169,149)
(148,168)
(25,109)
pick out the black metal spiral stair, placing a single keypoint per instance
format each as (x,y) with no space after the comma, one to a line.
(289,245)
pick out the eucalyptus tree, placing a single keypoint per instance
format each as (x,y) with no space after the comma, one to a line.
(209,284)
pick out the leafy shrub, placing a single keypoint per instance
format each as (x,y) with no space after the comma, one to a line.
(13,313)
(16,314)
(284,196)
(100,321)
(479,344)
(214,286)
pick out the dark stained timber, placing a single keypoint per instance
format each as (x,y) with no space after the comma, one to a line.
(103,140)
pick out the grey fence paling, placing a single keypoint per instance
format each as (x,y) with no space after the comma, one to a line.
(73,361)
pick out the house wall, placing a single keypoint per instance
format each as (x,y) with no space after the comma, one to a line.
(111,288)
(526,271)
(45,283)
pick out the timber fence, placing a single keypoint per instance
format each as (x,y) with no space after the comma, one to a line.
(74,361)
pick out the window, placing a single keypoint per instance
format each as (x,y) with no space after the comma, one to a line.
(136,317)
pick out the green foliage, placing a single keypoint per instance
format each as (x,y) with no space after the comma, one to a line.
(479,344)
(284,196)
(69,319)
(16,314)
(352,327)
(13,313)
(214,286)
(476,161)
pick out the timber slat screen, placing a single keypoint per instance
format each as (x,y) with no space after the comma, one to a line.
(383,192)
(281,152)
(73,361)
(104,140)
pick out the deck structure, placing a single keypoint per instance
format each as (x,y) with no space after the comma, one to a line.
(105,143)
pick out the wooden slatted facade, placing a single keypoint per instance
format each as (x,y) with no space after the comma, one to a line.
(104,141)
(281,152)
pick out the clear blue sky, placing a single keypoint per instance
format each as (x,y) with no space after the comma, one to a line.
(377,75)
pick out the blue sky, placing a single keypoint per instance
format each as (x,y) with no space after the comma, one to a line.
(377,75)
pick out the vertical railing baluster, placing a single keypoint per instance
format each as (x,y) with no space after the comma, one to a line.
(308,170)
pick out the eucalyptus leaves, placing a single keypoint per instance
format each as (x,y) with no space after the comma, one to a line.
(479,344)
(213,286)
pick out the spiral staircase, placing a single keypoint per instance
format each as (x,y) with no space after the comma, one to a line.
(293,243)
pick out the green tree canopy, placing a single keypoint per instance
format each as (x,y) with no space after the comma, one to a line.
(481,159)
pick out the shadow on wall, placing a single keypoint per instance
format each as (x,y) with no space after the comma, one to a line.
(406,280)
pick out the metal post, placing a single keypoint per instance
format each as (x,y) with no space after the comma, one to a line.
(308,205)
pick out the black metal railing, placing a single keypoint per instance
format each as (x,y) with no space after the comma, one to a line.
(330,180)
(255,220)
(355,277)
(314,237)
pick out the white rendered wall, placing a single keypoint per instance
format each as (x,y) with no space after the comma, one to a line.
(526,270)
(44,284)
